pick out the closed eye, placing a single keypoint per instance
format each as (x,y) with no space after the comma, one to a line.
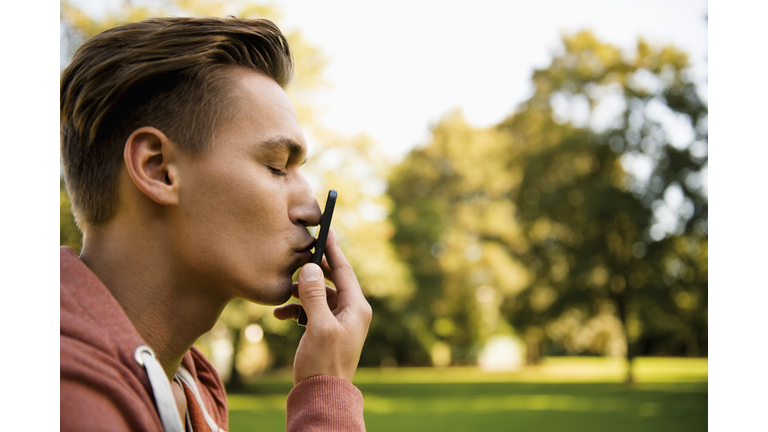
(278,172)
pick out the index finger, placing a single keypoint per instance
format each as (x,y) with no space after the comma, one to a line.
(327,272)
(343,276)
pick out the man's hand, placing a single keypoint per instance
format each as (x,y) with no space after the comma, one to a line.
(338,319)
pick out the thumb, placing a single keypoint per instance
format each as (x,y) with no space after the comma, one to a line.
(312,293)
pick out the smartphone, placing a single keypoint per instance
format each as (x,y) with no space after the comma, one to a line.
(322,236)
(325,226)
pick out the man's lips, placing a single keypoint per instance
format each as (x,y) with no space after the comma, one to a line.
(306,251)
(308,246)
(301,255)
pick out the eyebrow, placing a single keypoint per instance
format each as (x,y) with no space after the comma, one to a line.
(292,146)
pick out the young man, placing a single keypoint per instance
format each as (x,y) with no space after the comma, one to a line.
(181,153)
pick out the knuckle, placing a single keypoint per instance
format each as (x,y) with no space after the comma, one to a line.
(345,266)
(313,294)
(366,311)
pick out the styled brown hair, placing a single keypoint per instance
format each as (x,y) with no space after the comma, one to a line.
(168,73)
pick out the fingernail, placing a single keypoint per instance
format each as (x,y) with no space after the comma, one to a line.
(311,272)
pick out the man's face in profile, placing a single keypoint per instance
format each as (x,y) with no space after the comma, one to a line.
(244,207)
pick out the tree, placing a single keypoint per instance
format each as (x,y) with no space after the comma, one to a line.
(450,197)
(583,214)
(602,235)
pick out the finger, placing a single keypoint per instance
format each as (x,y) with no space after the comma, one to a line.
(313,293)
(291,310)
(286,312)
(331,294)
(333,298)
(327,272)
(343,275)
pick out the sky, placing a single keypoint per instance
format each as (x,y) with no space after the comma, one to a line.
(397,67)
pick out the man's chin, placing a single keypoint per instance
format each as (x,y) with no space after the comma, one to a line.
(285,299)
(275,295)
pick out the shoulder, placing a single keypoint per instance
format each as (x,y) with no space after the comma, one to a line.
(90,319)
(99,387)
(100,382)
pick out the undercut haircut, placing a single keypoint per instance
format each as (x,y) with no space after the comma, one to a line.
(168,73)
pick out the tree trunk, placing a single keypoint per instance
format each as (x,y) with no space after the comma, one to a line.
(533,338)
(235,382)
(630,375)
(621,303)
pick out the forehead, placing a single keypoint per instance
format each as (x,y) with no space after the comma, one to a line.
(260,113)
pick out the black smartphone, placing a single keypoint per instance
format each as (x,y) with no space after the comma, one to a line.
(325,226)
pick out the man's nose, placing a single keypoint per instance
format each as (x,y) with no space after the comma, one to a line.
(305,210)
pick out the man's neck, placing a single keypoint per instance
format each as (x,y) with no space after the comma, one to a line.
(169,311)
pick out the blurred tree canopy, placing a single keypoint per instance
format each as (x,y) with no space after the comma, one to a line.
(581,219)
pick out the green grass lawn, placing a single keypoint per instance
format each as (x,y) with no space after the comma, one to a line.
(563,394)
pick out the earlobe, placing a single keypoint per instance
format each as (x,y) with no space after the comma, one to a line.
(149,159)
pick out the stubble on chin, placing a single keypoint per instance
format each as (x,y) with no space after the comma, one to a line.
(274,294)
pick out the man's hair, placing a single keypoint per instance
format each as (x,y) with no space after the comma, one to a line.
(169,73)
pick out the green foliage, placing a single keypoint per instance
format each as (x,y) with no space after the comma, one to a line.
(546,220)
(594,228)
(449,196)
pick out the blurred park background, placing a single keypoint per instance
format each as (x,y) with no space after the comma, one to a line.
(547,269)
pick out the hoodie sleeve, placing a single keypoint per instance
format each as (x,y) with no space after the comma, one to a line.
(324,403)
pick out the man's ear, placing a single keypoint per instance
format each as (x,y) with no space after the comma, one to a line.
(150,159)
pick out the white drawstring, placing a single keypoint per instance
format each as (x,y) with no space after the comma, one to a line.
(166,403)
(184,375)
